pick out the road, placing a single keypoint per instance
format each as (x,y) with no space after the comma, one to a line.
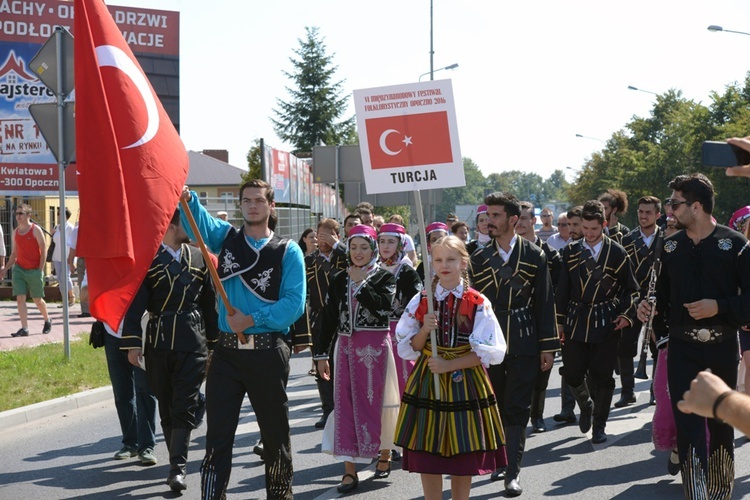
(69,456)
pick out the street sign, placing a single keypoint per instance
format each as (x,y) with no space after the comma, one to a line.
(45,65)
(45,116)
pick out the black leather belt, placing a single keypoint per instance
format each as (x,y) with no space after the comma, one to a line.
(703,334)
(254,341)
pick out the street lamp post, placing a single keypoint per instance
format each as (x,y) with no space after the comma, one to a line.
(714,28)
(592,138)
(630,87)
(431,72)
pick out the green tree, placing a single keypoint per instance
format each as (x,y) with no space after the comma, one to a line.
(253,163)
(472,193)
(311,116)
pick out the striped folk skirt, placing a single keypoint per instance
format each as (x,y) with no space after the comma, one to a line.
(460,434)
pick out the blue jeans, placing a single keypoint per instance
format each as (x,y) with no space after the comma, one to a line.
(136,406)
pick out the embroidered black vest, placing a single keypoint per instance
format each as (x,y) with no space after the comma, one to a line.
(259,269)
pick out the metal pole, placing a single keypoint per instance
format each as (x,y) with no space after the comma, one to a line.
(427,283)
(62,225)
(336,164)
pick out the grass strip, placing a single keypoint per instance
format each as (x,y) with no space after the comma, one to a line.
(31,375)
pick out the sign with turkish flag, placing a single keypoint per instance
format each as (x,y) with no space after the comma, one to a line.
(408,137)
(131,164)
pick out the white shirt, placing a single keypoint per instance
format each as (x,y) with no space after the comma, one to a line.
(555,241)
(2,243)
(648,239)
(176,254)
(486,340)
(595,249)
(57,253)
(506,255)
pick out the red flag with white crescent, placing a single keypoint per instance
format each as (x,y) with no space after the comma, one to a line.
(409,140)
(131,163)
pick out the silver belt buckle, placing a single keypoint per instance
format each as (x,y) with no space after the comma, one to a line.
(704,334)
(250,342)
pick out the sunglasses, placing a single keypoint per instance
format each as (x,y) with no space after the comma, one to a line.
(22,213)
(671,202)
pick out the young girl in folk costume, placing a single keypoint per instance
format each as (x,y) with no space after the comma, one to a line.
(393,259)
(434,232)
(462,434)
(355,322)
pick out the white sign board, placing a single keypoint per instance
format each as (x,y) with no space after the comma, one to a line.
(408,137)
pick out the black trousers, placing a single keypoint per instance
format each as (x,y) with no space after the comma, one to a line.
(261,374)
(707,471)
(597,359)
(628,346)
(175,379)
(513,382)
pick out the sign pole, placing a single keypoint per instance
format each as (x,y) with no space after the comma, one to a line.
(428,283)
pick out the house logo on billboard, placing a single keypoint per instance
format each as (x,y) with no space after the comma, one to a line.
(17,82)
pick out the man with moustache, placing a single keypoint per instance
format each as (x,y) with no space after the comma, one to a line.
(594,299)
(264,278)
(321,266)
(643,246)
(525,229)
(703,295)
(182,329)
(513,274)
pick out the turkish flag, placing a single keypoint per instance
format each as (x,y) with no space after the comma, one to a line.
(130,160)
(409,140)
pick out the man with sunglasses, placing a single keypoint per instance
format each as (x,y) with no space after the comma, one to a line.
(512,272)
(27,258)
(703,295)
(595,298)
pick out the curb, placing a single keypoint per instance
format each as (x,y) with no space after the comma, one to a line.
(53,407)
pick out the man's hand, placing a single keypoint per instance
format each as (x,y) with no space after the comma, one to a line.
(546,359)
(186,195)
(324,369)
(2,272)
(704,308)
(135,357)
(704,390)
(327,237)
(239,322)
(644,310)
(621,323)
(740,170)
(561,333)
(299,348)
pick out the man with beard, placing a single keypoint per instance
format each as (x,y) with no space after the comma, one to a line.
(594,299)
(182,328)
(615,205)
(264,279)
(548,229)
(643,246)
(512,273)
(703,293)
(321,266)
(525,229)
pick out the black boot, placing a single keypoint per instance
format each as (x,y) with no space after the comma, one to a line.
(567,413)
(178,452)
(537,411)
(585,403)
(601,414)
(515,441)
(325,390)
(627,394)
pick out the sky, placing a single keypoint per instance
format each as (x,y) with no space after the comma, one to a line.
(531,75)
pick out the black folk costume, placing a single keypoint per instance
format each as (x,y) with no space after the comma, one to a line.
(641,251)
(520,291)
(617,232)
(462,433)
(717,268)
(182,327)
(320,269)
(591,295)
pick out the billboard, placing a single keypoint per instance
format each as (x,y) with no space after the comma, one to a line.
(27,166)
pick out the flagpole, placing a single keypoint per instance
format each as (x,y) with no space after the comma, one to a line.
(427,283)
(209,263)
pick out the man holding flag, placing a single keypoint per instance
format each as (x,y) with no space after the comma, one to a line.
(264,278)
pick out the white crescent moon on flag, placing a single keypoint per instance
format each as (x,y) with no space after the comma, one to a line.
(109,55)
(383,145)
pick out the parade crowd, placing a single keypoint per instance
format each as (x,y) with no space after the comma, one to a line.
(439,363)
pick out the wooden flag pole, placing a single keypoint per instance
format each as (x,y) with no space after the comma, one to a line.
(209,263)
(427,283)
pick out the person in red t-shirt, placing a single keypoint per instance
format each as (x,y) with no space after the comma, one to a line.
(27,260)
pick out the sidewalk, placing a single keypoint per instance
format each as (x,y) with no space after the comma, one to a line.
(10,323)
